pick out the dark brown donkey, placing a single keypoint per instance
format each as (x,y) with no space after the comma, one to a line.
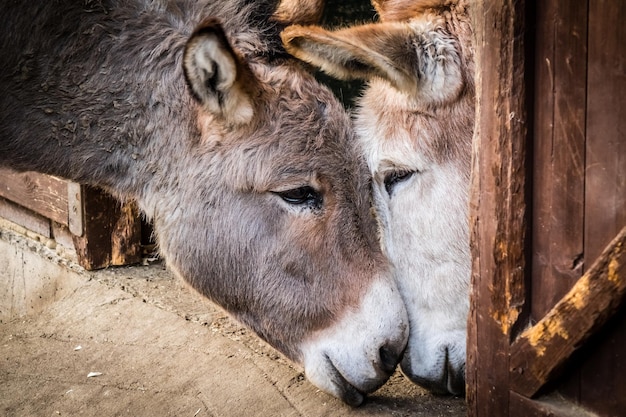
(259,193)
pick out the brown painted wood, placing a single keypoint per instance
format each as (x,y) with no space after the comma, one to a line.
(605,206)
(603,367)
(541,350)
(40,193)
(498,203)
(559,151)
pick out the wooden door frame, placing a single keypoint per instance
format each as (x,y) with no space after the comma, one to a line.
(509,361)
(498,203)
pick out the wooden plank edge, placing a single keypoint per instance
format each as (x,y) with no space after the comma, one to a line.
(25,218)
(552,405)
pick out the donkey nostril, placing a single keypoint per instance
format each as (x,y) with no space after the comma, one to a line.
(388,358)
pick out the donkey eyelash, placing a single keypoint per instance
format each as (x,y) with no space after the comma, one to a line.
(394,178)
(301,196)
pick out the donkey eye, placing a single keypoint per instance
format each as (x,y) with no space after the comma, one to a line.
(301,196)
(395,177)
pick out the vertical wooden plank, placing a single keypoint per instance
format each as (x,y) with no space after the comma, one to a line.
(499,192)
(559,151)
(605,201)
(602,366)
(75,208)
(559,155)
(606,128)
(126,236)
(112,232)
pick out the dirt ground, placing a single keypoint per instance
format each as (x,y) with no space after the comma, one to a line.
(138,342)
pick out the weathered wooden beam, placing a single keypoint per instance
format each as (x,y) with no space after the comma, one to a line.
(104,231)
(498,202)
(112,231)
(43,194)
(75,208)
(541,350)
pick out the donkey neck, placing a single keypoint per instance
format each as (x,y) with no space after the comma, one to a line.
(101,103)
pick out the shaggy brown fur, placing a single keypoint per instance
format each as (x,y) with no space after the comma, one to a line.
(260,196)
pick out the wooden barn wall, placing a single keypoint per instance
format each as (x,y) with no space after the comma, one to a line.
(548,194)
(579,172)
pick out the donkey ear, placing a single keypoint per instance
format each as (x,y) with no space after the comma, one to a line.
(303,12)
(415,58)
(215,74)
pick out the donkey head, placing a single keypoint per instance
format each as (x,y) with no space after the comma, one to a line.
(281,232)
(260,195)
(415,122)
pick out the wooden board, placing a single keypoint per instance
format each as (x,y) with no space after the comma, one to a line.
(43,194)
(560,102)
(604,363)
(112,231)
(25,218)
(559,152)
(104,232)
(498,204)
